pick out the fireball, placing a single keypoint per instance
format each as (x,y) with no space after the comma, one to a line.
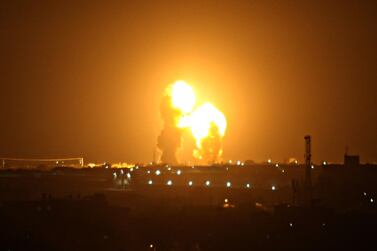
(206,123)
(182,96)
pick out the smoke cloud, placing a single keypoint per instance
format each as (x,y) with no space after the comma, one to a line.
(169,140)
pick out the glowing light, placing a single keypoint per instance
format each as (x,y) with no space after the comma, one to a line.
(148,172)
(276,165)
(228,184)
(371,200)
(203,118)
(273,188)
(190,183)
(226,201)
(91,165)
(324,163)
(121,172)
(248,185)
(150,182)
(115,175)
(206,122)
(183,96)
(312,166)
(290,224)
(151,245)
(365,194)
(169,183)
(238,162)
(131,169)
(129,175)
(158,172)
(269,161)
(208,183)
(179,172)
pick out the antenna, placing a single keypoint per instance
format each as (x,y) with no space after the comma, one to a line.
(308,170)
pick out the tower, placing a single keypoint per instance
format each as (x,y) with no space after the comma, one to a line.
(308,170)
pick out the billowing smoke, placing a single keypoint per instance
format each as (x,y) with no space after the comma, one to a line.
(206,123)
(169,140)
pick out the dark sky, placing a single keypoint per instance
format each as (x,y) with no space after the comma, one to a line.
(86,78)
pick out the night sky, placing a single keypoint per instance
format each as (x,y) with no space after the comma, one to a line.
(85,78)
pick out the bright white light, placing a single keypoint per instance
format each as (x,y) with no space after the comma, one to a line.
(371,200)
(121,171)
(169,168)
(115,175)
(273,188)
(248,185)
(276,165)
(179,172)
(324,163)
(242,164)
(208,183)
(312,166)
(151,245)
(365,194)
(269,161)
(226,201)
(128,175)
(238,162)
(283,171)
(131,169)
(169,183)
(230,161)
(137,167)
(228,184)
(148,172)
(158,172)
(190,183)
(290,224)
(296,162)
(150,182)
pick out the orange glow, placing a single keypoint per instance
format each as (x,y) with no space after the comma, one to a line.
(208,126)
(182,96)
(206,123)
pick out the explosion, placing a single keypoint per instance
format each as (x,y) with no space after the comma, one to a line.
(206,123)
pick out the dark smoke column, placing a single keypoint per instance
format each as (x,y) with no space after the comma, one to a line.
(169,140)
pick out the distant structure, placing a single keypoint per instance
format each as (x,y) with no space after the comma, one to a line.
(308,170)
(351,160)
(15,163)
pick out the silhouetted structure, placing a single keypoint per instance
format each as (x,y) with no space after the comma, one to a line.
(351,160)
(308,170)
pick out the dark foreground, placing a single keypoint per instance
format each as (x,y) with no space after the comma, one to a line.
(96,210)
(92,224)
